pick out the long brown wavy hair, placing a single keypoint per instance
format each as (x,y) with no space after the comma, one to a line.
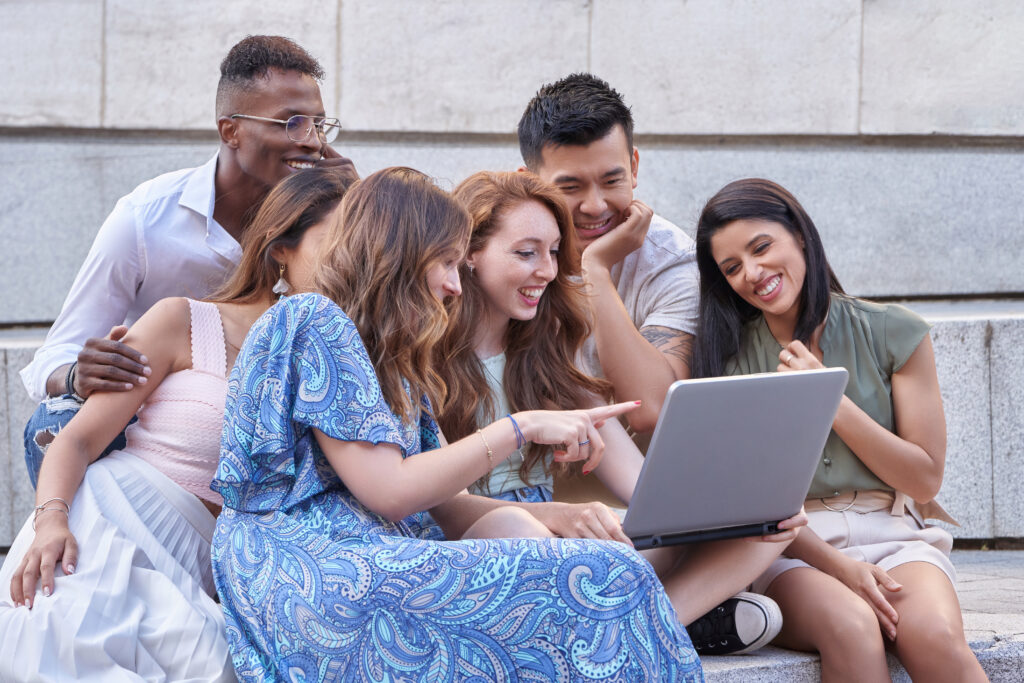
(540,354)
(292,207)
(395,225)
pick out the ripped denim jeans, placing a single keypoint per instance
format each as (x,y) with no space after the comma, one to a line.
(49,418)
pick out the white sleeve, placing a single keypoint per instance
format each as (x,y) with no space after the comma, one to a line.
(671,297)
(100,297)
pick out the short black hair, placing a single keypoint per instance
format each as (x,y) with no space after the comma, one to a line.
(253,57)
(577,110)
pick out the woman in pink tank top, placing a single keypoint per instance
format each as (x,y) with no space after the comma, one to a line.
(112,572)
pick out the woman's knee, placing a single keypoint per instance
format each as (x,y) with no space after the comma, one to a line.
(933,632)
(852,622)
(508,522)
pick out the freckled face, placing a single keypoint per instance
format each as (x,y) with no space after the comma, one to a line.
(518,261)
(764,263)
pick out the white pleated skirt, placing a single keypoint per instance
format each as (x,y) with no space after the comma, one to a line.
(139,606)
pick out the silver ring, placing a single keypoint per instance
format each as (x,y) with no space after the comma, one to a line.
(583,443)
(788,359)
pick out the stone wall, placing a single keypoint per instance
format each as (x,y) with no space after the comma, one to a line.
(898,123)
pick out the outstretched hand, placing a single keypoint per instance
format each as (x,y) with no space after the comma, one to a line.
(53,544)
(105,364)
(573,433)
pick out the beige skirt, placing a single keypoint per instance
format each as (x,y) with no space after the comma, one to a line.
(873,527)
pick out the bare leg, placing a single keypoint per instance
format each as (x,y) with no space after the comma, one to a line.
(709,573)
(507,522)
(930,638)
(820,614)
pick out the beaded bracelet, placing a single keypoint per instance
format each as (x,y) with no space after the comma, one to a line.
(520,439)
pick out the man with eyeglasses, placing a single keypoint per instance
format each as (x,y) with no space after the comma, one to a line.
(178,234)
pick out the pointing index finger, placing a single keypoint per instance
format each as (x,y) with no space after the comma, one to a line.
(601,413)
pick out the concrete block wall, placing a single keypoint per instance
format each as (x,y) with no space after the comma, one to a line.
(897,123)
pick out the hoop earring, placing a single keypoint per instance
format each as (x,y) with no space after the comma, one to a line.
(281,287)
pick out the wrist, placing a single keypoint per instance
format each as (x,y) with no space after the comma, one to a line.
(591,265)
(50,518)
(835,565)
(521,429)
(71,381)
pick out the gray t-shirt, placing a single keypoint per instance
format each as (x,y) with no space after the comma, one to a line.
(658,284)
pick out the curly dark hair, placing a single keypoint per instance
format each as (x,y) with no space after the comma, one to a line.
(253,57)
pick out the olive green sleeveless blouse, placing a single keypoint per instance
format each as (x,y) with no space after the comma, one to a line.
(870,340)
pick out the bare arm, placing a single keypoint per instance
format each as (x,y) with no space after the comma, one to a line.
(395,487)
(640,364)
(913,458)
(162,333)
(619,470)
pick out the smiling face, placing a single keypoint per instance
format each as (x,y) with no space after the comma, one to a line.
(597,181)
(764,264)
(516,264)
(264,152)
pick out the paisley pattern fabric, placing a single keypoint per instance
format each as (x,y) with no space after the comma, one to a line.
(317,587)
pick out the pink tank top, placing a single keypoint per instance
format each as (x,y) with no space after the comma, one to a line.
(178,431)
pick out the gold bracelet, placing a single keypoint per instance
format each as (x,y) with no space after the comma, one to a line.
(490,453)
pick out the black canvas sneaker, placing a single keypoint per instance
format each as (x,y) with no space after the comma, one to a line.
(743,623)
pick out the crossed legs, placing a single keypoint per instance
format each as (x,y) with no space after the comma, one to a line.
(699,577)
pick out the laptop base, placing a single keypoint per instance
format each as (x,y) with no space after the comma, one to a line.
(658,540)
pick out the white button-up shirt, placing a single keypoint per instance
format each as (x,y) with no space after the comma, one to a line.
(159,241)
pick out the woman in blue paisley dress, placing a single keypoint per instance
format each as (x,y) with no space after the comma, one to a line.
(328,565)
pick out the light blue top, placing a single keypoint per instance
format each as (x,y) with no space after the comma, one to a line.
(505,477)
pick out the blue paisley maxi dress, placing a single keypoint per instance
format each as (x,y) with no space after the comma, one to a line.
(316,587)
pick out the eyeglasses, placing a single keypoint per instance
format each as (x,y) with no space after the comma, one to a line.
(300,126)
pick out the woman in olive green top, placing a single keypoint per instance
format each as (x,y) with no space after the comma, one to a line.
(866,573)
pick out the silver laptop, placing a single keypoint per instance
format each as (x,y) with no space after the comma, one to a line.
(732,456)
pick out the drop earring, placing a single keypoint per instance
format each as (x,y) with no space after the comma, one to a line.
(281,287)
